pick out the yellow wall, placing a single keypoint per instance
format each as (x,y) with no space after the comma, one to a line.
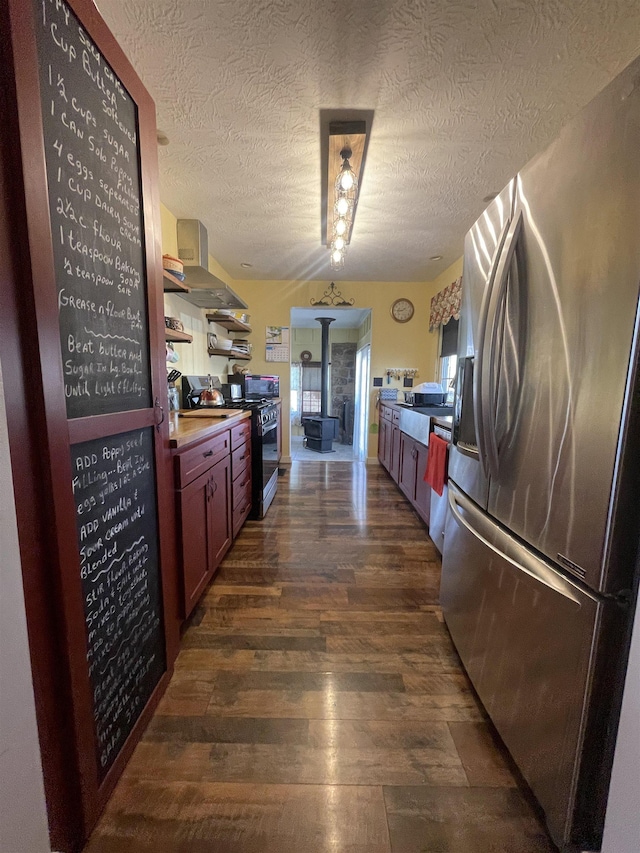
(392,344)
(270,302)
(311,340)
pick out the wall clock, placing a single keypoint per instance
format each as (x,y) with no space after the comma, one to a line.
(402,310)
(305,355)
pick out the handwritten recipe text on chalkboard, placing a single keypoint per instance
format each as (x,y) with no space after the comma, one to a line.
(93,175)
(114,491)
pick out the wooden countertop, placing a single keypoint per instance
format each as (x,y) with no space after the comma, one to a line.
(184,431)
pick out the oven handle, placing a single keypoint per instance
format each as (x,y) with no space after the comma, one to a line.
(265,428)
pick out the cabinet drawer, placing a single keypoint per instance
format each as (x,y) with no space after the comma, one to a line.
(395,416)
(192,462)
(385,413)
(240,513)
(240,460)
(242,489)
(240,434)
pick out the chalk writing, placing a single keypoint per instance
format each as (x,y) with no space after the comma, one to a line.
(114,491)
(92,156)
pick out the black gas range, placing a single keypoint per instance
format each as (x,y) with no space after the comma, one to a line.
(265,450)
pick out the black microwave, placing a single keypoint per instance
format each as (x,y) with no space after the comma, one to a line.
(261,387)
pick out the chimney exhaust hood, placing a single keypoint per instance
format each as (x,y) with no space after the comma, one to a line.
(207,290)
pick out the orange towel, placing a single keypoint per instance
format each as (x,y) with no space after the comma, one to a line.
(436,472)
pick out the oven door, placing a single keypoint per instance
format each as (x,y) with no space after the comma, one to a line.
(270,451)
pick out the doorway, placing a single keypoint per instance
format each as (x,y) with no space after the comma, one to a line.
(349,332)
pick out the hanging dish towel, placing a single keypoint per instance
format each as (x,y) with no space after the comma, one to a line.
(436,472)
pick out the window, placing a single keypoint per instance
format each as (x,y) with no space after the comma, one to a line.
(448,366)
(311,380)
(448,357)
(311,402)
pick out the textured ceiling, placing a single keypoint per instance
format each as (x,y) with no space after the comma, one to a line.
(464,93)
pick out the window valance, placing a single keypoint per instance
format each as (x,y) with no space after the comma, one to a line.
(445,305)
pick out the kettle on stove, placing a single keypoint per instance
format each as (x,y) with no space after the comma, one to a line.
(211,397)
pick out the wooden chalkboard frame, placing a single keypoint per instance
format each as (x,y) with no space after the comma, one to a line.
(41,436)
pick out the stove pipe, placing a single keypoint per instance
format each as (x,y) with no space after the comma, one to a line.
(324,374)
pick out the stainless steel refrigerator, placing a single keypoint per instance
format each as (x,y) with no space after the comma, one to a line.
(539,573)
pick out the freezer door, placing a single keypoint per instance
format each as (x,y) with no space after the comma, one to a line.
(566,330)
(525,636)
(481,255)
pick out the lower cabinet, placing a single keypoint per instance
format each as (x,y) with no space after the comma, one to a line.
(405,459)
(394,461)
(213,493)
(204,512)
(241,485)
(408,466)
(422,501)
(383,442)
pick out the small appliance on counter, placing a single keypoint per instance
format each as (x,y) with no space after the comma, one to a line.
(193,387)
(259,387)
(232,391)
(211,396)
(429,394)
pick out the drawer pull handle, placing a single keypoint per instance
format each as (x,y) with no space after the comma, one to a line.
(208,453)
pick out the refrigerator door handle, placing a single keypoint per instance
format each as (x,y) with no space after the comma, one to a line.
(481,415)
(487,367)
(484,528)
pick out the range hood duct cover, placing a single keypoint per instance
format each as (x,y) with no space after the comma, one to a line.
(207,290)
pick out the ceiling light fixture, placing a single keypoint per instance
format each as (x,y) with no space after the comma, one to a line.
(344,140)
(346,196)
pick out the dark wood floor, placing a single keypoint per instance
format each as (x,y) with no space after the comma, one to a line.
(318,705)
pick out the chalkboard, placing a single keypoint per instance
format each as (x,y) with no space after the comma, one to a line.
(114,487)
(92,154)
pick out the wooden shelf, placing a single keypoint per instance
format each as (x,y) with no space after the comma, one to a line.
(171,284)
(229,323)
(230,354)
(177,337)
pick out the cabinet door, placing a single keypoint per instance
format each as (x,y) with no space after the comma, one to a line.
(382,441)
(394,462)
(408,453)
(193,506)
(219,515)
(423,490)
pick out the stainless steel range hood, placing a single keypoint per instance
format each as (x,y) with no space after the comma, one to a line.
(207,290)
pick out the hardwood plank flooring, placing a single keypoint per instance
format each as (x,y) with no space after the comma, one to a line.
(318,703)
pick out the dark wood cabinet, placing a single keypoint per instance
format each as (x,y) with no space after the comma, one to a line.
(193,510)
(408,466)
(413,464)
(422,500)
(383,442)
(240,475)
(394,462)
(205,518)
(405,459)
(220,512)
